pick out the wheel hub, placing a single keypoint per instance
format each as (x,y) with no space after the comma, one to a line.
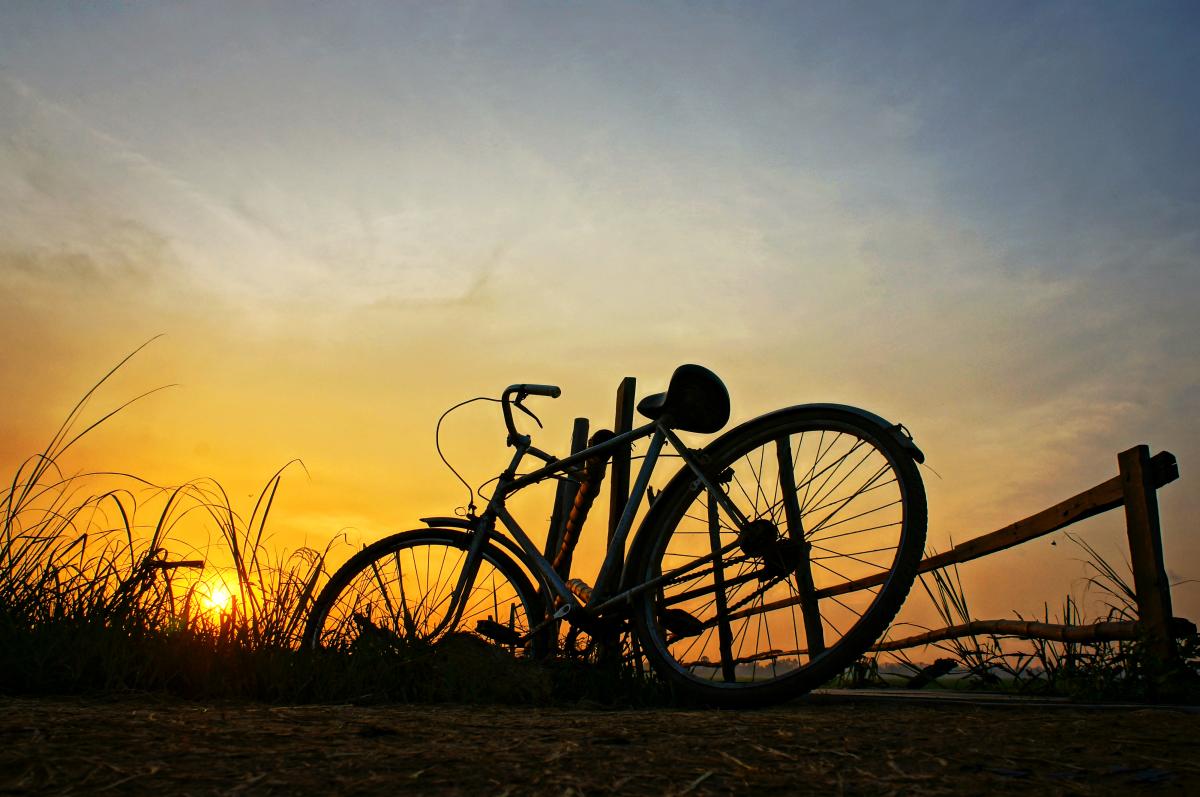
(761,539)
(785,556)
(758,538)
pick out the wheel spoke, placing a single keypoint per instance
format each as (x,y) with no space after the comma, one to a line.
(884,469)
(827,504)
(823,493)
(405,593)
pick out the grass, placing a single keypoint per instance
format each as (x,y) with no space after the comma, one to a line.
(99,592)
(1105,670)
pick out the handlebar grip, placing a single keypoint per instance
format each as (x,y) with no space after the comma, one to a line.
(552,391)
(532,390)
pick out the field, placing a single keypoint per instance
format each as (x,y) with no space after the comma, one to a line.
(142,745)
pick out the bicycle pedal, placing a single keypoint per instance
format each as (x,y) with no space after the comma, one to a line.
(680,623)
(500,634)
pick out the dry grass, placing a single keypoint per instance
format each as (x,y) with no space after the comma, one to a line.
(101,592)
(1102,670)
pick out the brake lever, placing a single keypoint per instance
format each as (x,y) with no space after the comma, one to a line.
(528,412)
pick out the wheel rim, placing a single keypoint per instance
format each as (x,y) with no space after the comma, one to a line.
(404,594)
(786,616)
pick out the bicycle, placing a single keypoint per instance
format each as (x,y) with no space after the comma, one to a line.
(770,562)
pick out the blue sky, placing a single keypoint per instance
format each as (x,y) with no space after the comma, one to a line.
(979,218)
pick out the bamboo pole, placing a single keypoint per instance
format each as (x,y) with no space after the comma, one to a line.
(1161,469)
(1027,629)
(1083,634)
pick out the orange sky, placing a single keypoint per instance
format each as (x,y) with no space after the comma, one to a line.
(344,225)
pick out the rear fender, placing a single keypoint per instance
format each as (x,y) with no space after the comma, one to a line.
(896,430)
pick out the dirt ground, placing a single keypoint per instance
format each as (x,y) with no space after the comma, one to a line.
(820,746)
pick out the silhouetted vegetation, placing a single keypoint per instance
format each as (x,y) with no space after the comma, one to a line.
(96,598)
(1118,669)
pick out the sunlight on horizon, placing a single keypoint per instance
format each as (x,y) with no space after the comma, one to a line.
(218,600)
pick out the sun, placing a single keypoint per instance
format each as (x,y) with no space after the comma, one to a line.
(218,599)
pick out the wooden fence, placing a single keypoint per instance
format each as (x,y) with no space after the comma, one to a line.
(1135,487)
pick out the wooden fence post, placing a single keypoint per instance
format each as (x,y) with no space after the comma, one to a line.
(1150,583)
(618,489)
(618,493)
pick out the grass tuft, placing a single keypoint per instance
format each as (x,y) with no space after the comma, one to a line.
(99,592)
(1106,670)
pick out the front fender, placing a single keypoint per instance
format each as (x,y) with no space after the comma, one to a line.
(496,536)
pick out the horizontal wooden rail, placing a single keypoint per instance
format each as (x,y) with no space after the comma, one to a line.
(1101,498)
(1095,632)
(162,564)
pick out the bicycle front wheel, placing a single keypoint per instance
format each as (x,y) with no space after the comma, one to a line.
(759,613)
(399,590)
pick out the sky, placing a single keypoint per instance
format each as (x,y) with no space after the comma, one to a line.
(981,220)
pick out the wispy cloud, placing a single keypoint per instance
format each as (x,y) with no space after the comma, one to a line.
(68,186)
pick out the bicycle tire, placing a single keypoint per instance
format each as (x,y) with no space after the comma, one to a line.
(398,589)
(706,650)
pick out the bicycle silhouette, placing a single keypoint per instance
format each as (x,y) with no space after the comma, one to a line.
(771,561)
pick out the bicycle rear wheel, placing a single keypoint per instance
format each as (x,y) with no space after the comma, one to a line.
(399,589)
(754,615)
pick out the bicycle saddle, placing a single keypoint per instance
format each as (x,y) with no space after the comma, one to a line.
(696,401)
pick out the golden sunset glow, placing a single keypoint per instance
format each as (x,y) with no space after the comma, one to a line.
(218,600)
(345,220)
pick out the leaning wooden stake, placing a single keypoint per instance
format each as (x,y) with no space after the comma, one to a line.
(1150,583)
(1028,629)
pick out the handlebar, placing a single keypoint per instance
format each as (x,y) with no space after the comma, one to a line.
(552,391)
(521,391)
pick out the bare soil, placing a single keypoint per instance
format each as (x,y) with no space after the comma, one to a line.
(161,746)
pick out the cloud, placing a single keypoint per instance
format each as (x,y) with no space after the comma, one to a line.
(68,187)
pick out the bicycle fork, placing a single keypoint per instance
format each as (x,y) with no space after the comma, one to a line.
(458,598)
(479,539)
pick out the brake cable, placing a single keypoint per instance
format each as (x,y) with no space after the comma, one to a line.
(437,442)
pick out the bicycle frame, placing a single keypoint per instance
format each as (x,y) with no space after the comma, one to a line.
(776,553)
(602,600)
